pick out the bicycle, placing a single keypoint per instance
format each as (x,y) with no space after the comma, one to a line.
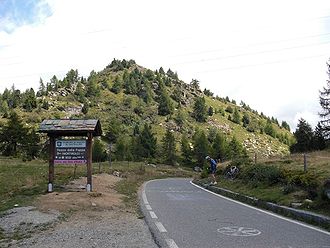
(232,172)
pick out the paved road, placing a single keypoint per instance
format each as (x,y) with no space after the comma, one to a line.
(180,214)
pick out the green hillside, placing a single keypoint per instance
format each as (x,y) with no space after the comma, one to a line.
(125,96)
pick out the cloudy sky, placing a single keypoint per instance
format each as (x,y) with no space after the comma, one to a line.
(270,54)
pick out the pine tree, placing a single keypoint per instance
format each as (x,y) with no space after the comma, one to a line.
(114,130)
(98,151)
(30,146)
(30,100)
(246,120)
(219,147)
(165,106)
(210,111)
(124,148)
(236,117)
(148,142)
(304,137)
(117,85)
(54,83)
(285,125)
(200,109)
(236,150)
(201,147)
(42,88)
(318,138)
(186,150)
(12,135)
(92,88)
(325,104)
(169,148)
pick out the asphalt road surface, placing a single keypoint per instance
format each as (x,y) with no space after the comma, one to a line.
(181,214)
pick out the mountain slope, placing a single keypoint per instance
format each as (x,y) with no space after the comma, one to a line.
(127,95)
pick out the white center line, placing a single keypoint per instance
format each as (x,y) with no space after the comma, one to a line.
(148,207)
(171,243)
(153,215)
(160,227)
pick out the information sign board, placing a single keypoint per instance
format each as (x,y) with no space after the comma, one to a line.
(70,152)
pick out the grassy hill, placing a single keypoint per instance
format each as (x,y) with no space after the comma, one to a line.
(130,95)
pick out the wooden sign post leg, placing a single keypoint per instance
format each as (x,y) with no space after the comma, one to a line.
(89,162)
(51,163)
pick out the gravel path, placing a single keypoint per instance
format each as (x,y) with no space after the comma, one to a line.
(76,219)
(95,229)
(85,229)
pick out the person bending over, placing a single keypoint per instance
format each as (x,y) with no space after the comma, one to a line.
(213,169)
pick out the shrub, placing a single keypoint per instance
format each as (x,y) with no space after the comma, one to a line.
(205,172)
(262,173)
(229,109)
(300,179)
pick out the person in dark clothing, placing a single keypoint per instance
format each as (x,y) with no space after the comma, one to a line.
(213,169)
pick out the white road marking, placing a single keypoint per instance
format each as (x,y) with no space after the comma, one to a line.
(171,243)
(239,231)
(153,215)
(160,227)
(263,211)
(144,197)
(148,207)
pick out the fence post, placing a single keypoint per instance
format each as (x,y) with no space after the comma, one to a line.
(305,163)
(255,158)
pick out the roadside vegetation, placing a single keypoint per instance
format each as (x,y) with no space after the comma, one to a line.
(283,180)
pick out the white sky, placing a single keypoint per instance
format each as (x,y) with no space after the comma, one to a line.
(270,54)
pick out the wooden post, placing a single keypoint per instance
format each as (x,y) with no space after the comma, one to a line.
(51,163)
(89,161)
(305,163)
(255,158)
(110,161)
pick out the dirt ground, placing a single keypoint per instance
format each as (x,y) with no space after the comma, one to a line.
(75,197)
(76,218)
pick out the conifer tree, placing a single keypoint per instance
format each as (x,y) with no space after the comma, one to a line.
(169,147)
(98,151)
(117,85)
(12,135)
(42,88)
(219,147)
(236,117)
(147,142)
(304,137)
(165,106)
(200,109)
(325,104)
(318,138)
(186,150)
(201,147)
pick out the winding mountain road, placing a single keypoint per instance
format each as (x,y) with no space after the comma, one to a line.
(181,214)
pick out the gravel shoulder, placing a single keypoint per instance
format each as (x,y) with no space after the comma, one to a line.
(75,218)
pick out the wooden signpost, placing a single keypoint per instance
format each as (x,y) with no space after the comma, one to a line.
(63,150)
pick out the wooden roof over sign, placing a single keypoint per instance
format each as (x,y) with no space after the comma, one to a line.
(67,127)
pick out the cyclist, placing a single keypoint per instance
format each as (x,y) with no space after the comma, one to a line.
(213,169)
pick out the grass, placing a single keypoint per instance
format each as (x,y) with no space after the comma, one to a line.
(21,182)
(318,167)
(317,162)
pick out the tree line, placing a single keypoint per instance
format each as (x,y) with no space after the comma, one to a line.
(308,139)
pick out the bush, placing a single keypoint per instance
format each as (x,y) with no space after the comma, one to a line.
(301,179)
(262,173)
(229,109)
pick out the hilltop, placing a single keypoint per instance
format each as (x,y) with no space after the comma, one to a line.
(125,96)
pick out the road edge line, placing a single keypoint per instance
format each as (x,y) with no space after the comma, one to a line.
(263,211)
